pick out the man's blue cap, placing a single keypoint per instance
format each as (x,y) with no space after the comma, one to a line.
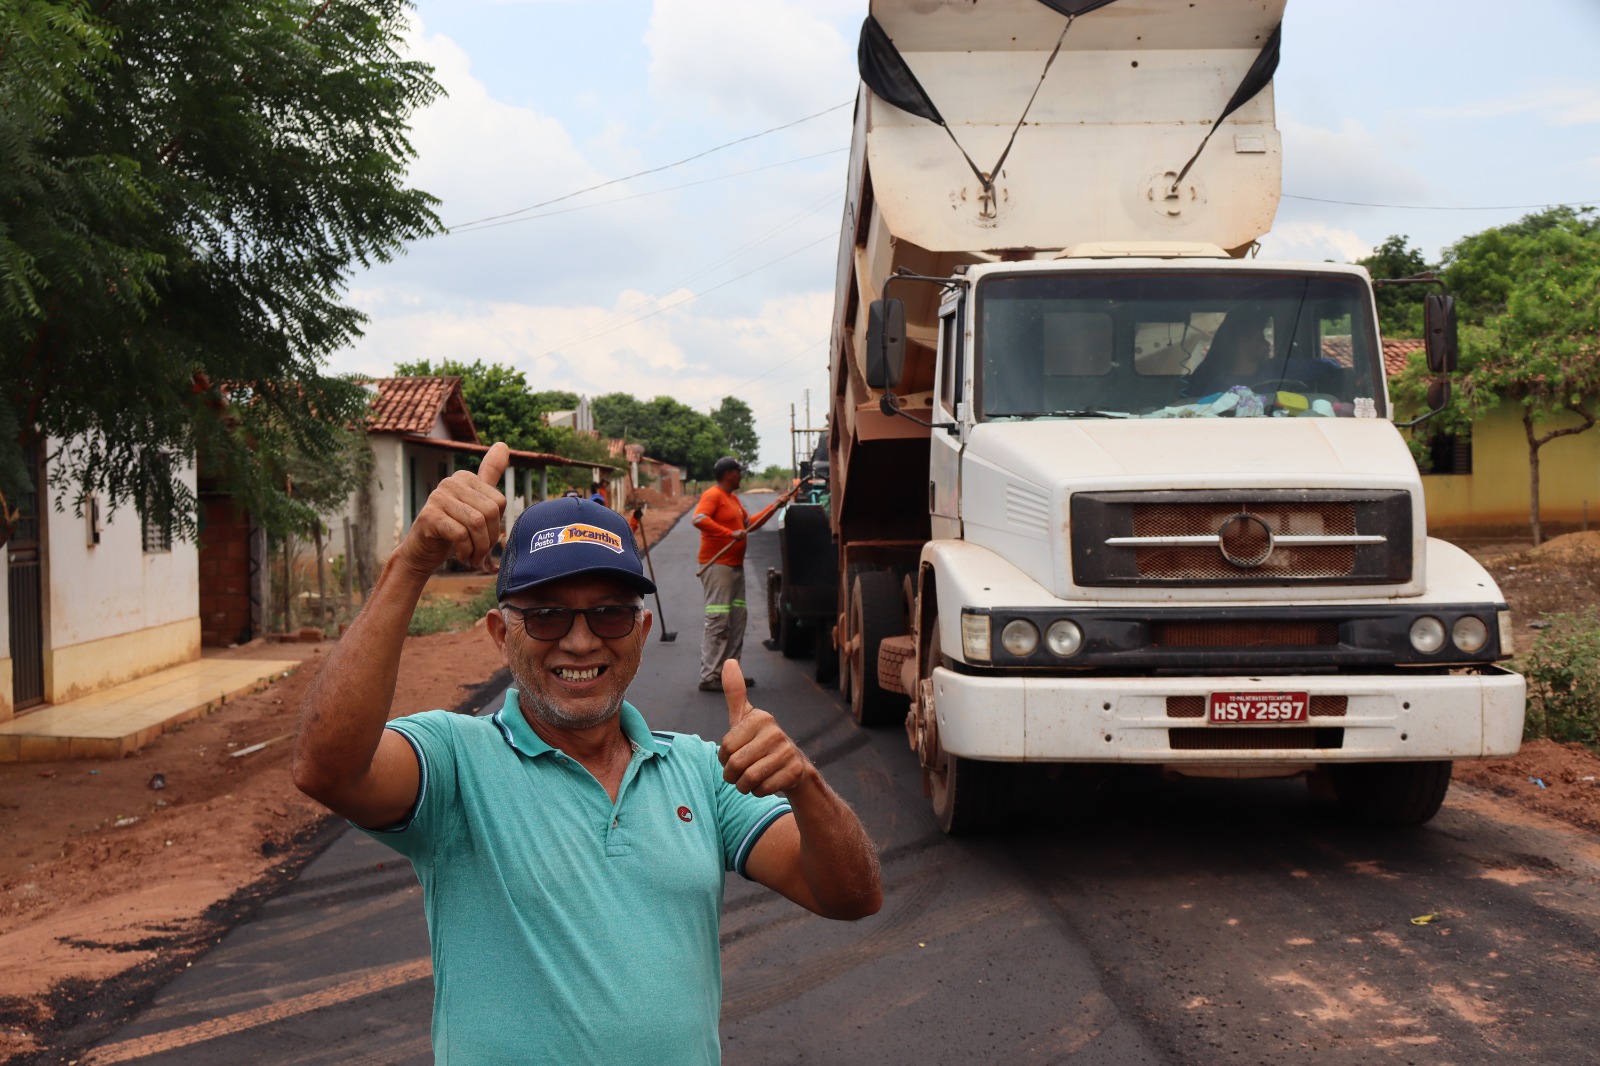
(567,536)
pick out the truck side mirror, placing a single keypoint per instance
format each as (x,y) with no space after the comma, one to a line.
(1438,394)
(1439,329)
(886,342)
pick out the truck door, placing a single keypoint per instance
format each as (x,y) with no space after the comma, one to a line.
(944,460)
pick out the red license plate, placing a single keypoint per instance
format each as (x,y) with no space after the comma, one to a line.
(1252,708)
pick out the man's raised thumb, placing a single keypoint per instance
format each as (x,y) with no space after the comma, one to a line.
(733,690)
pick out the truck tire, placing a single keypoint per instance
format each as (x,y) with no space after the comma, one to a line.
(827,665)
(874,614)
(774,603)
(969,797)
(791,638)
(1391,793)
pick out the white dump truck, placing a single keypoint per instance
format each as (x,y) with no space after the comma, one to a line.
(1105,487)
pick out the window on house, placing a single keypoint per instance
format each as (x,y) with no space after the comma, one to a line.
(157,535)
(1450,453)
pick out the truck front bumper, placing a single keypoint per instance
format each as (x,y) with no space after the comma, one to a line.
(1155,719)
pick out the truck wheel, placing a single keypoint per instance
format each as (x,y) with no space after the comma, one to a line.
(791,639)
(774,604)
(970,797)
(874,614)
(1391,793)
(827,665)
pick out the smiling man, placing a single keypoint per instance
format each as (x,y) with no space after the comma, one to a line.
(572,861)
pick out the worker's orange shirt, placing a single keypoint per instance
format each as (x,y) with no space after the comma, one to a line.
(717,516)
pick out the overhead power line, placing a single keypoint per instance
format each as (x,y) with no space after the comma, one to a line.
(653,170)
(1435,207)
(704,292)
(627,313)
(469,227)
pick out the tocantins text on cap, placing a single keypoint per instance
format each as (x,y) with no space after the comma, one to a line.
(565,537)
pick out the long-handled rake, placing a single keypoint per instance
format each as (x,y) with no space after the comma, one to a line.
(667,636)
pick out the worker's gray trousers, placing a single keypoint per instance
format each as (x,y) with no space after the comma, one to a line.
(725,618)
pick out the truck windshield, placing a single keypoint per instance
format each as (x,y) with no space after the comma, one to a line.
(1186,343)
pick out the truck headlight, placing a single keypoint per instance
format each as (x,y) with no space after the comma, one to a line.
(1469,633)
(975,637)
(1427,635)
(1064,638)
(1019,637)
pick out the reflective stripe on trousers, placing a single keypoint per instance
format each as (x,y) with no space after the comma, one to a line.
(725,618)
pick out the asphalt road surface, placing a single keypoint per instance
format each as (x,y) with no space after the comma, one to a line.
(1134,921)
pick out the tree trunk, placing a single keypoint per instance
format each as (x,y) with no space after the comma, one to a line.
(322,576)
(1534,444)
(349,566)
(288,580)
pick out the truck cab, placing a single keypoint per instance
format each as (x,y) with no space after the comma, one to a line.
(1172,524)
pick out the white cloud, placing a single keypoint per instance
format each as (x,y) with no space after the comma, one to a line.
(1314,241)
(1348,163)
(1558,105)
(771,59)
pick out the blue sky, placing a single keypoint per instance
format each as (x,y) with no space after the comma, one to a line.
(726,285)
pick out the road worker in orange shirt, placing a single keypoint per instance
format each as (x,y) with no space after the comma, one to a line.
(723,524)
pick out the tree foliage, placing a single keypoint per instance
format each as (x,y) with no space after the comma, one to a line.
(498,398)
(1399,306)
(669,430)
(734,417)
(1529,298)
(186,190)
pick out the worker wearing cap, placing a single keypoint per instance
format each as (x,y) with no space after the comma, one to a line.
(722,522)
(572,860)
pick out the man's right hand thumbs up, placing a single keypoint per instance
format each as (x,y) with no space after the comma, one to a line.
(461,518)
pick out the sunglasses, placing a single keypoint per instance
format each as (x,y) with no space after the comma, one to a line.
(608,621)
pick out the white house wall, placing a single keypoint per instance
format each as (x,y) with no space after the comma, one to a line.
(114,612)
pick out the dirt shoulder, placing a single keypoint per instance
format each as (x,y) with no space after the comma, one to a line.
(1561,576)
(107,884)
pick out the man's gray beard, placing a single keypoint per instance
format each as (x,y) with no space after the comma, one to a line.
(529,700)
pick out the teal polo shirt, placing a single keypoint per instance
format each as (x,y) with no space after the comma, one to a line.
(566,928)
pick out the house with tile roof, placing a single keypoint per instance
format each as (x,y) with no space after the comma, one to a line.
(1479,483)
(419,429)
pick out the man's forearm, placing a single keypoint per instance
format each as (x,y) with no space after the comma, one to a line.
(348,703)
(836,855)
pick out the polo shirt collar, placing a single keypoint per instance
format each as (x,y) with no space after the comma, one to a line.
(516,731)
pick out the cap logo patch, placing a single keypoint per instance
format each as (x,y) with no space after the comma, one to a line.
(577,533)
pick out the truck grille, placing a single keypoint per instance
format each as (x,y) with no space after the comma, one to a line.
(1244,540)
(1241,538)
(1268,634)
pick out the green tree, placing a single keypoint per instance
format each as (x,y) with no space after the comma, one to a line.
(1399,306)
(185,192)
(734,417)
(669,430)
(1531,295)
(556,400)
(498,399)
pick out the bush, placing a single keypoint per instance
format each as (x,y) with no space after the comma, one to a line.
(1563,672)
(446,616)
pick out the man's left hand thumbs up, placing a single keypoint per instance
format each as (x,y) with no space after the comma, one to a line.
(757,756)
